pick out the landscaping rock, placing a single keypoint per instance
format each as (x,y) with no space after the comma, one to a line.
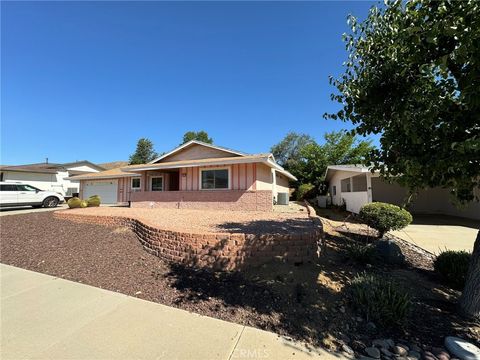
(462,348)
(366,358)
(390,343)
(373,352)
(386,352)
(389,252)
(371,327)
(427,355)
(414,347)
(381,343)
(414,355)
(401,349)
(348,349)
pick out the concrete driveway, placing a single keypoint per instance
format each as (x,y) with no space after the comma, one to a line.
(28,209)
(435,233)
(45,317)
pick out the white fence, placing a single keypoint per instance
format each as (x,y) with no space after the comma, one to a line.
(355,200)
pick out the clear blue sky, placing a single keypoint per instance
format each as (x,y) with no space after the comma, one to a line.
(87,80)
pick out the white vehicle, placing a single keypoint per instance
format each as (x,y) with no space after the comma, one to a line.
(20,194)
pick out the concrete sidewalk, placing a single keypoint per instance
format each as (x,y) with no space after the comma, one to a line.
(44,317)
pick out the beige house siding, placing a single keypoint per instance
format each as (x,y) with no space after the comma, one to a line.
(336,181)
(264,177)
(196,152)
(430,201)
(281,184)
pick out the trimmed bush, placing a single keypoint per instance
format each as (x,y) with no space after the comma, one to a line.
(83,203)
(305,191)
(453,267)
(384,217)
(93,201)
(74,202)
(380,299)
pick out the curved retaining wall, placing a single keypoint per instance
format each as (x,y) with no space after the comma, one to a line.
(225,251)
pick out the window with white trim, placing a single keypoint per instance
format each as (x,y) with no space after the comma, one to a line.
(214,179)
(156,183)
(136,184)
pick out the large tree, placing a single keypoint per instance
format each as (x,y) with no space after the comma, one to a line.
(288,150)
(413,76)
(197,135)
(303,157)
(144,152)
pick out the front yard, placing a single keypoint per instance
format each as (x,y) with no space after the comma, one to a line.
(307,302)
(286,221)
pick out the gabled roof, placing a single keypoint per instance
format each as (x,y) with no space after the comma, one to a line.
(107,174)
(113,164)
(80,163)
(193,142)
(35,168)
(350,167)
(48,168)
(266,159)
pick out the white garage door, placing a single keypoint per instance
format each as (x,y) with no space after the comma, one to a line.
(107,190)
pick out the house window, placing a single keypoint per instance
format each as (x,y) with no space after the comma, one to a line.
(136,184)
(156,183)
(215,179)
(345,185)
(334,190)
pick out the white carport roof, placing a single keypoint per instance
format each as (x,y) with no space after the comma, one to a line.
(351,167)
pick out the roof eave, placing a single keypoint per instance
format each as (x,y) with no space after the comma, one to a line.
(280,169)
(84,177)
(161,166)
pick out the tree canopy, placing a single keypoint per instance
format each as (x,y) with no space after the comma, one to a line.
(305,159)
(144,152)
(197,135)
(413,77)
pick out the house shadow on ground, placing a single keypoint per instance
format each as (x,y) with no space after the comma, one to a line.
(283,226)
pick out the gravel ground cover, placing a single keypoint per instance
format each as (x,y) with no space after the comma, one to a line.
(307,302)
(201,221)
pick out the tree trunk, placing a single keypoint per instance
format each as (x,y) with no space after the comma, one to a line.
(470,299)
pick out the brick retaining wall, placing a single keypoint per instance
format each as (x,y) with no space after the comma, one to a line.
(225,251)
(259,200)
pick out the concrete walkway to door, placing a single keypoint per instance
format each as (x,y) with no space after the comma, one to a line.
(44,317)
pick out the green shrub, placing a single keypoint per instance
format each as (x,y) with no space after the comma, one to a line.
(363,254)
(453,267)
(94,200)
(83,203)
(384,217)
(380,299)
(74,202)
(305,191)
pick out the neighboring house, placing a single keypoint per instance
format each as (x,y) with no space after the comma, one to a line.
(113,164)
(48,176)
(355,186)
(194,175)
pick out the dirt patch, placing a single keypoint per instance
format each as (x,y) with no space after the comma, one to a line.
(308,302)
(209,221)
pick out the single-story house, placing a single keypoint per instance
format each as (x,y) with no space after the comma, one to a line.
(49,176)
(356,185)
(193,175)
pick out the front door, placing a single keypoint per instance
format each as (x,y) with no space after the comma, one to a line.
(174,183)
